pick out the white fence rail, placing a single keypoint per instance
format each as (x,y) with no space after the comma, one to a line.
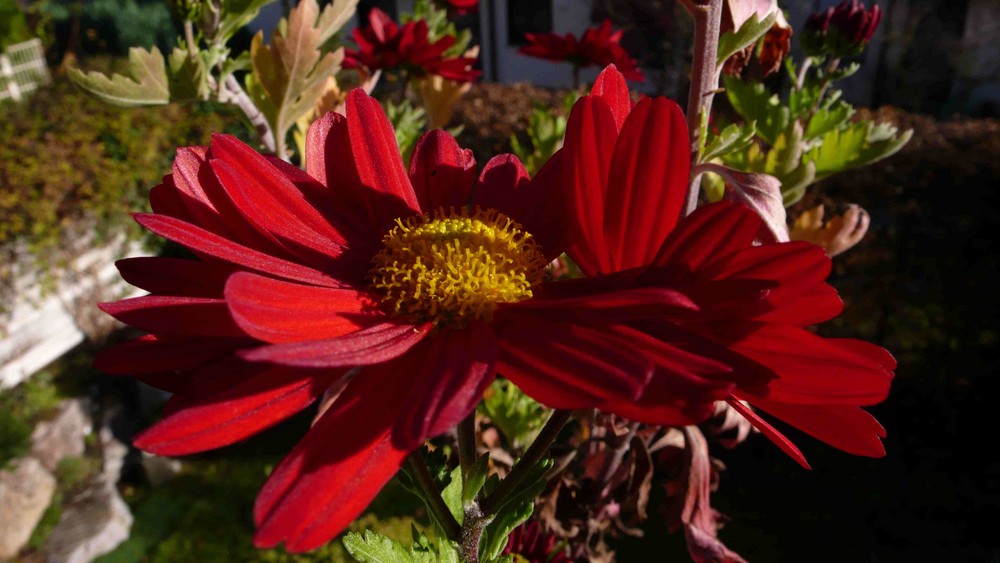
(22,70)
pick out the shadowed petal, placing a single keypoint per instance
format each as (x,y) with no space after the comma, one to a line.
(365,347)
(193,316)
(175,276)
(442,173)
(278,311)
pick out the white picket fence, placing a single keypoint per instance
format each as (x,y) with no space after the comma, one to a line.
(22,70)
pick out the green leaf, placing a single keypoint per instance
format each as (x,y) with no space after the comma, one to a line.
(517,416)
(452,495)
(794,184)
(475,479)
(146,82)
(753,29)
(376,548)
(885,148)
(409,122)
(754,103)
(188,76)
(839,148)
(735,138)
(235,14)
(786,153)
(829,118)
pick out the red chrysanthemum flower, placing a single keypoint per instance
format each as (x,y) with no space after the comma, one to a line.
(627,171)
(599,46)
(430,281)
(386,45)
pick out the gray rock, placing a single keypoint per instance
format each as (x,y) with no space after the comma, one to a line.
(25,492)
(62,436)
(95,523)
(160,469)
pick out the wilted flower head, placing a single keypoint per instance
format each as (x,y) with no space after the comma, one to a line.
(386,45)
(843,30)
(836,235)
(598,46)
(763,57)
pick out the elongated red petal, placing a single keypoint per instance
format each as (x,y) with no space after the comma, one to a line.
(193,316)
(811,370)
(214,420)
(711,232)
(448,384)
(175,276)
(210,244)
(442,173)
(387,192)
(278,311)
(151,353)
(844,427)
(648,182)
(365,347)
(589,145)
(599,363)
(338,468)
(771,432)
(611,87)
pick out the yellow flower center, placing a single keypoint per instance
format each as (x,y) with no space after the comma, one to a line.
(452,266)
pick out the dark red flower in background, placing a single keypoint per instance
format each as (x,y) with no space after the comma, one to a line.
(627,172)
(529,542)
(598,46)
(843,30)
(428,280)
(386,45)
(461,7)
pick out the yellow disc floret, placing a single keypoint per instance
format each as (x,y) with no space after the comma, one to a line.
(453,265)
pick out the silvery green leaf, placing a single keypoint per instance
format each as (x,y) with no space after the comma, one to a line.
(145,84)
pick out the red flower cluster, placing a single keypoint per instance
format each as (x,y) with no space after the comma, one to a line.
(599,46)
(386,45)
(400,294)
(844,30)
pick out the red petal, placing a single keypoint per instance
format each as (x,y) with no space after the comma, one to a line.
(174,276)
(262,400)
(811,370)
(648,182)
(842,426)
(709,233)
(610,86)
(277,311)
(387,188)
(365,347)
(449,382)
(771,432)
(589,145)
(192,316)
(337,469)
(151,354)
(570,355)
(442,173)
(210,244)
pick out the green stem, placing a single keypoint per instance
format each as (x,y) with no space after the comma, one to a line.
(467,443)
(536,451)
(436,504)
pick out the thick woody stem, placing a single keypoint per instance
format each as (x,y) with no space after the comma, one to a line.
(234,94)
(707,16)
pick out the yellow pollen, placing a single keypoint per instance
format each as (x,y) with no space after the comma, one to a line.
(453,265)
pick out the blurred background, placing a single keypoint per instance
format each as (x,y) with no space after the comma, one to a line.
(922,283)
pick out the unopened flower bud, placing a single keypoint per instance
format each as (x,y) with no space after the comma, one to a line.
(841,31)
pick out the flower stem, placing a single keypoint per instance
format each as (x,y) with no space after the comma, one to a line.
(707,15)
(536,451)
(467,443)
(436,504)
